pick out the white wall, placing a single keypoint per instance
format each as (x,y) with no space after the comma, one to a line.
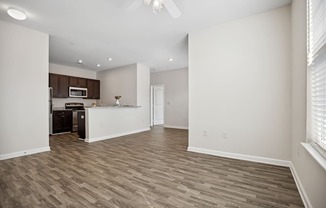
(143,92)
(240,86)
(24,63)
(75,72)
(311,174)
(71,71)
(175,96)
(119,81)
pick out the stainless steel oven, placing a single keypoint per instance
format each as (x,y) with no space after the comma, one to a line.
(75,108)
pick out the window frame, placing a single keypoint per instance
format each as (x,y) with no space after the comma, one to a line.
(312,141)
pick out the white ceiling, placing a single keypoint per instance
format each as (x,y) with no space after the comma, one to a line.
(94,30)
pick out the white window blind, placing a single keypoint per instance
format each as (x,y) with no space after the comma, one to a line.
(317,72)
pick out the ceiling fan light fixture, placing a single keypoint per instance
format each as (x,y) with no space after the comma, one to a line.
(157,6)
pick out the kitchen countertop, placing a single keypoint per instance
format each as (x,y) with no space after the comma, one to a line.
(61,109)
(113,106)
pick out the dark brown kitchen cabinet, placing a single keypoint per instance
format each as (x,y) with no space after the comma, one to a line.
(93,89)
(62,121)
(59,84)
(77,82)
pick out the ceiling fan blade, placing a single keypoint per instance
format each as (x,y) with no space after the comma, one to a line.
(134,5)
(172,8)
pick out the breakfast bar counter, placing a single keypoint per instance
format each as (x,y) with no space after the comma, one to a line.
(114,121)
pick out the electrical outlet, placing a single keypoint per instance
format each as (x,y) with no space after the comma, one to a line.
(204,133)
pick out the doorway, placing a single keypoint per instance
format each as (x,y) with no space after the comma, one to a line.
(157,105)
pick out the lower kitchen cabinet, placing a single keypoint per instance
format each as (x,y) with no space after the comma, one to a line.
(62,121)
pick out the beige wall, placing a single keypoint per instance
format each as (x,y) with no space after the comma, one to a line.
(119,81)
(240,86)
(175,96)
(310,174)
(24,64)
(132,82)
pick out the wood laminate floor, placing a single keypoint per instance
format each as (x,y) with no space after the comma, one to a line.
(149,169)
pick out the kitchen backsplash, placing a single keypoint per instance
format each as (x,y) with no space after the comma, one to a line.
(59,102)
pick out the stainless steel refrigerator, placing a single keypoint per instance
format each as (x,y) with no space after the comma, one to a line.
(50,110)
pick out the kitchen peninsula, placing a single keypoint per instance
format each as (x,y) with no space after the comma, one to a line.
(114,121)
(131,83)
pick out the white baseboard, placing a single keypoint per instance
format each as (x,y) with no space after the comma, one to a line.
(89,140)
(24,153)
(284,163)
(302,192)
(265,160)
(176,127)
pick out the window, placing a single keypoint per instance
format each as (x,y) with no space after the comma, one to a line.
(316,125)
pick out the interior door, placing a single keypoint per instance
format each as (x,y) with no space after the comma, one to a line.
(158,105)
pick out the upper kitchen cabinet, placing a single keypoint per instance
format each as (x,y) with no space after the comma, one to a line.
(93,89)
(59,84)
(77,82)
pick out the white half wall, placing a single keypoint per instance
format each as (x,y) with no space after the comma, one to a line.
(109,122)
(119,81)
(24,67)
(75,72)
(175,96)
(310,176)
(240,86)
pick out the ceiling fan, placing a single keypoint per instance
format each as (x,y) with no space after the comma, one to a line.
(158,5)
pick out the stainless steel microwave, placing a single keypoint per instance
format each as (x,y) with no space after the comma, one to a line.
(77,92)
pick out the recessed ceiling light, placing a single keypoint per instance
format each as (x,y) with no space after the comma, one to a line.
(170,59)
(109,59)
(98,65)
(16,14)
(79,61)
